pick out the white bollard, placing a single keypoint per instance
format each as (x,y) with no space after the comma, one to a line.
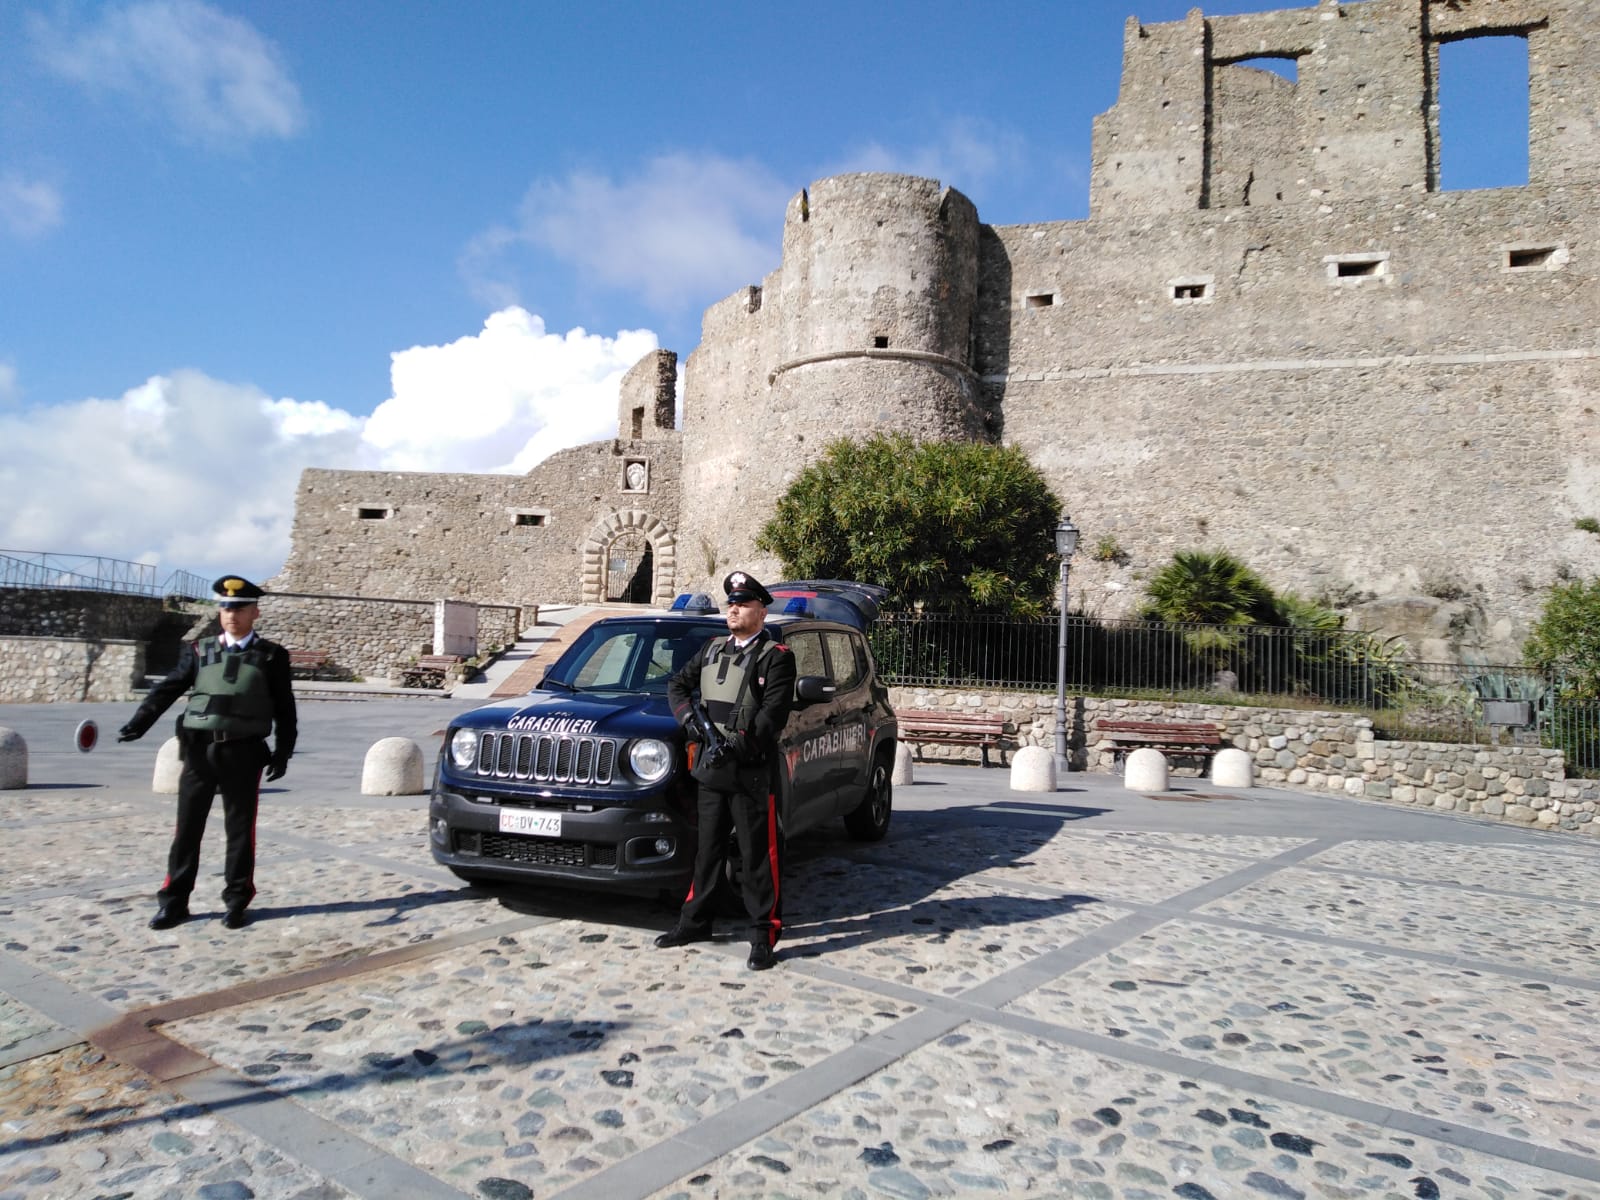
(393,767)
(164,782)
(1146,771)
(1033,769)
(902,766)
(1233,768)
(13,760)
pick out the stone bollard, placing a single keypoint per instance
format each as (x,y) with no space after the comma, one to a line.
(393,767)
(1033,769)
(1146,771)
(13,760)
(1232,768)
(902,766)
(168,767)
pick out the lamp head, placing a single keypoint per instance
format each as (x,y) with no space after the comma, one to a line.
(1066,537)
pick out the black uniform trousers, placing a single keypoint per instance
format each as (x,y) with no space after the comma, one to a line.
(234,769)
(753,816)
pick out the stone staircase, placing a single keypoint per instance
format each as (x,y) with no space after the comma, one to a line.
(527,674)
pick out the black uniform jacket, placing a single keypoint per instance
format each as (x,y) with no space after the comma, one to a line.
(771,690)
(279,684)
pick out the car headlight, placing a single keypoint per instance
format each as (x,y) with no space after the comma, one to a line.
(464,748)
(650,759)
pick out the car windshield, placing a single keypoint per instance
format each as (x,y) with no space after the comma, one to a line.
(628,656)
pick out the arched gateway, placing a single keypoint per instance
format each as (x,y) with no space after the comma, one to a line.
(630,556)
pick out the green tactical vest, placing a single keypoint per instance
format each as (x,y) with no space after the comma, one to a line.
(231,696)
(725,679)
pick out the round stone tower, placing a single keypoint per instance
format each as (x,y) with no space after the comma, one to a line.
(866,327)
(875,307)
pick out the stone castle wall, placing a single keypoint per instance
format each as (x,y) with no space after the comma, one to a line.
(371,638)
(1272,336)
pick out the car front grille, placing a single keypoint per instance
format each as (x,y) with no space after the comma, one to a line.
(547,757)
(547,852)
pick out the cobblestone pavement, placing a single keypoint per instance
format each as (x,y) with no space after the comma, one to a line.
(1094,993)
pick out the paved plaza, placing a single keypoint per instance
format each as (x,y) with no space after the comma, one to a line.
(1203,993)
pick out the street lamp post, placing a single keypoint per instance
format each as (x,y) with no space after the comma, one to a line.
(1066,543)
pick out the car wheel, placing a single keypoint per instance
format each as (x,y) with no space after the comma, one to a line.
(869,820)
(477,878)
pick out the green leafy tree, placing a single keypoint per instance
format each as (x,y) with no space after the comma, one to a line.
(1565,640)
(955,526)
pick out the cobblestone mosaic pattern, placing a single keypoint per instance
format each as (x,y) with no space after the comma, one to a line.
(910,927)
(1519,1059)
(1560,872)
(100,944)
(1548,935)
(542,1058)
(1124,866)
(18,1023)
(73,1117)
(980,1113)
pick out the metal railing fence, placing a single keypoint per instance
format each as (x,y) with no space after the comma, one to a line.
(1573,727)
(85,572)
(1302,668)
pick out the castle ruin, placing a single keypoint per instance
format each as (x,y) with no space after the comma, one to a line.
(1273,335)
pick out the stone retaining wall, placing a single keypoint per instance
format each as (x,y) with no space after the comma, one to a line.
(1328,751)
(72,613)
(51,670)
(372,638)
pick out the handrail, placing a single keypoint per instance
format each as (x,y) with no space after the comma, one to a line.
(93,573)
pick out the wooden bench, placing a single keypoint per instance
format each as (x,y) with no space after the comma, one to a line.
(430,670)
(943,728)
(1191,739)
(314,662)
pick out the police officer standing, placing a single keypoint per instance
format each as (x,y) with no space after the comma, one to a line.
(242,692)
(746,684)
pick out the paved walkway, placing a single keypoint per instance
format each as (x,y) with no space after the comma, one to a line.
(1091,993)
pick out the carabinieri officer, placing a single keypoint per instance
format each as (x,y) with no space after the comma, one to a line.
(746,682)
(242,692)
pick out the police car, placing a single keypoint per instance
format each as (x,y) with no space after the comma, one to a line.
(585,780)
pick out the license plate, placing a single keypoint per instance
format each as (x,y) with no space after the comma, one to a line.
(536,823)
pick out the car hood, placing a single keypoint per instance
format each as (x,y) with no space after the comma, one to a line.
(618,714)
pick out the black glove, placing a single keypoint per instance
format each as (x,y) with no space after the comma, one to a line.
(129,734)
(276,766)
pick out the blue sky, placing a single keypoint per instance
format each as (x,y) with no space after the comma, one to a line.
(240,239)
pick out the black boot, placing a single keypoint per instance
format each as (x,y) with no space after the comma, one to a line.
(235,918)
(682,935)
(762,957)
(173,912)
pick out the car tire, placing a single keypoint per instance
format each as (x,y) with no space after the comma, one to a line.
(868,821)
(476,878)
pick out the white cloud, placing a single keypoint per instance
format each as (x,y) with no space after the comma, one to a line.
(9,389)
(683,228)
(28,207)
(503,399)
(200,475)
(185,468)
(212,75)
(967,154)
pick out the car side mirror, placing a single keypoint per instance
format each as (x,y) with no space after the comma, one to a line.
(813,689)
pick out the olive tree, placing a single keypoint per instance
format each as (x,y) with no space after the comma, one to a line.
(953,526)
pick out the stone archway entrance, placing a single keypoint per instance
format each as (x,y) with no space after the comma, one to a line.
(629,557)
